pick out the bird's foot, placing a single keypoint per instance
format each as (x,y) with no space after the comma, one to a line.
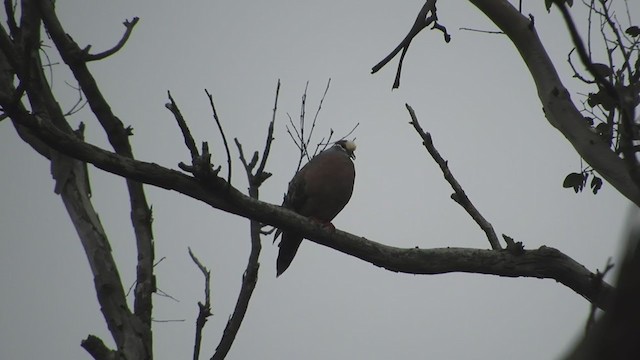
(324,224)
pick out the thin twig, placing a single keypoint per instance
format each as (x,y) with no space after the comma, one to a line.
(204,310)
(303,113)
(186,133)
(614,29)
(79,105)
(576,74)
(315,118)
(482,31)
(129,29)
(459,196)
(582,52)
(421,22)
(302,140)
(351,131)
(224,138)
(267,146)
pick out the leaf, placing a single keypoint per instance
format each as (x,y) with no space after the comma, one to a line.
(602,69)
(601,98)
(604,130)
(547,4)
(575,181)
(596,184)
(633,31)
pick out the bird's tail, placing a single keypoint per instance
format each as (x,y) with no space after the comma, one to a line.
(288,247)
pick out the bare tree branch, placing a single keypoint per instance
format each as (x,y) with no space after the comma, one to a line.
(250,276)
(560,111)
(204,310)
(267,145)
(422,21)
(186,134)
(129,28)
(459,196)
(10,11)
(136,333)
(224,138)
(301,140)
(625,104)
(97,349)
(541,263)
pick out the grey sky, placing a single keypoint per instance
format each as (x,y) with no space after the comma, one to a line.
(474,95)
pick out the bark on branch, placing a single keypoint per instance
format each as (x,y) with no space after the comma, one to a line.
(559,110)
(544,262)
(118,136)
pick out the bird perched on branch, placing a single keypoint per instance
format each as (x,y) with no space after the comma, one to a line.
(320,190)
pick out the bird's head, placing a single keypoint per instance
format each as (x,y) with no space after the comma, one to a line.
(347,146)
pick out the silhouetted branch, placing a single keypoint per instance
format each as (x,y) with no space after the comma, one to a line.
(492,32)
(422,21)
(315,118)
(129,28)
(582,52)
(540,263)
(250,276)
(204,310)
(118,135)
(11,19)
(459,195)
(97,349)
(184,128)
(249,280)
(559,110)
(301,140)
(267,145)
(625,104)
(224,138)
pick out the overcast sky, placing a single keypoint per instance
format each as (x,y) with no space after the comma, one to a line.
(474,95)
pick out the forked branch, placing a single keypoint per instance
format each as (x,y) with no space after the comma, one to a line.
(422,21)
(540,263)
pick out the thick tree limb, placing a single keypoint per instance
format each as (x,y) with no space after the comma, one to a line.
(614,334)
(120,321)
(71,183)
(94,346)
(117,134)
(541,263)
(625,103)
(560,111)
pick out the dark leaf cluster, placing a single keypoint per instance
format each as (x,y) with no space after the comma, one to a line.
(578,181)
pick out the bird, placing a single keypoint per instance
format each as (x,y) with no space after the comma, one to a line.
(320,190)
